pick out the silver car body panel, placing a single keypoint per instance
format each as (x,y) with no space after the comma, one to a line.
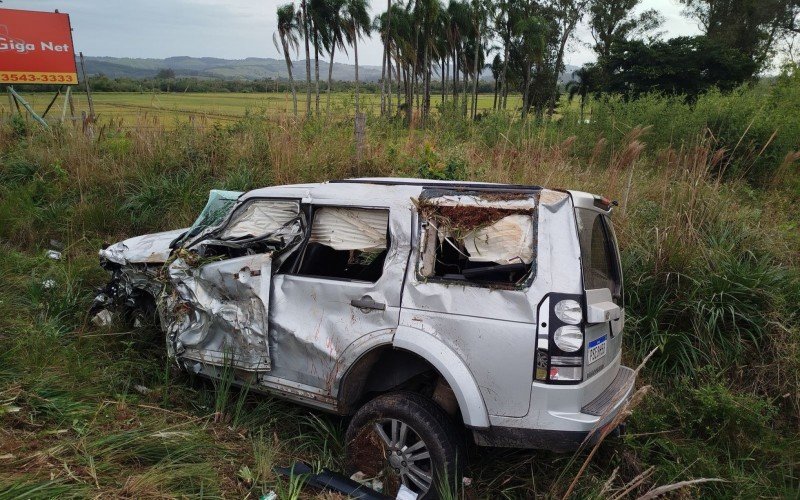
(217,313)
(147,249)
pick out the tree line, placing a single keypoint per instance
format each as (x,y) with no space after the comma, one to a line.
(523,44)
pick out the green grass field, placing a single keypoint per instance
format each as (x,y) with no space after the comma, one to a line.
(167,108)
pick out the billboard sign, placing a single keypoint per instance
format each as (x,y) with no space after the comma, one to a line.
(36,48)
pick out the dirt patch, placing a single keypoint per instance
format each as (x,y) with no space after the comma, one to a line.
(370,457)
(465,218)
(369,453)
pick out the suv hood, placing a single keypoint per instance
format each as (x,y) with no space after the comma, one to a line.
(146,249)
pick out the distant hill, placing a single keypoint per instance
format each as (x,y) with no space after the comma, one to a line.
(252,68)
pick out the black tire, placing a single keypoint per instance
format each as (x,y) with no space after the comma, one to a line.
(380,457)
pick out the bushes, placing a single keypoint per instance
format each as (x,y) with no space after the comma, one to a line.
(701,427)
(755,126)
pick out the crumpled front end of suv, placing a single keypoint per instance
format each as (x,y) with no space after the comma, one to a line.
(137,265)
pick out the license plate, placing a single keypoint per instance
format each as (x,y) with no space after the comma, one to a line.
(597,349)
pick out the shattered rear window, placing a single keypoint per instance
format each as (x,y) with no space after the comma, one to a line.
(478,238)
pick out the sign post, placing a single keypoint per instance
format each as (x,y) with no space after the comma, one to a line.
(35,49)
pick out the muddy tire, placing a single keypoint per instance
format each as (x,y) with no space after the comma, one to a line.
(405,438)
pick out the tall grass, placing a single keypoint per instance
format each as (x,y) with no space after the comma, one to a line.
(711,254)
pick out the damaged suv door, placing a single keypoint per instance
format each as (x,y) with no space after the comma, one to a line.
(216,310)
(344,285)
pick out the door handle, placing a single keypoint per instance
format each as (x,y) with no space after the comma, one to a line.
(367,302)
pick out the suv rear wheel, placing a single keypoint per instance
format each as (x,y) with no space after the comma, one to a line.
(405,439)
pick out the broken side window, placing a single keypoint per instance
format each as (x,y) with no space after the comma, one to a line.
(347,243)
(484,239)
(217,208)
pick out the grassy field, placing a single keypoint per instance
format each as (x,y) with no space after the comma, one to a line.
(710,240)
(167,109)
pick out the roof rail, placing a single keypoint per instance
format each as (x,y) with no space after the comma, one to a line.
(476,186)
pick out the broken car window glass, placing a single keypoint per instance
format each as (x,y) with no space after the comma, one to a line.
(260,218)
(347,243)
(218,207)
(468,238)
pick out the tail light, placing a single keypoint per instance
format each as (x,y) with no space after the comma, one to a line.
(560,339)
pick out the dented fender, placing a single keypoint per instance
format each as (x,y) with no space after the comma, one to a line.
(452,368)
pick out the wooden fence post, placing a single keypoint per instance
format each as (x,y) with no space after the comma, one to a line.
(360,129)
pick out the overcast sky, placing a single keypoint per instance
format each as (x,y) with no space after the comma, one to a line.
(232,29)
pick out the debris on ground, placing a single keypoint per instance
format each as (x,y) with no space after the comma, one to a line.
(332,481)
(372,482)
(53,254)
(103,318)
(404,493)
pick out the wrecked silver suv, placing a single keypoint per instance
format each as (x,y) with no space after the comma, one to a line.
(419,307)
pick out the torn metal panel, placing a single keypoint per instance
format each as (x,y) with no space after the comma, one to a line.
(217,313)
(260,218)
(350,229)
(148,249)
(132,288)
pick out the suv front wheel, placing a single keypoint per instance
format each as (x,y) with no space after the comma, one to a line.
(405,439)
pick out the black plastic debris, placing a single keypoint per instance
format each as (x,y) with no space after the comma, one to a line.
(333,481)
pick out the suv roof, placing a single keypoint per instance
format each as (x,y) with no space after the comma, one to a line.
(409,181)
(397,191)
(390,190)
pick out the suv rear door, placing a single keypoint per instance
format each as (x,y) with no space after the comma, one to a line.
(602,278)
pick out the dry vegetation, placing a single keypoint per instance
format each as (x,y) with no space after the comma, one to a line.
(709,232)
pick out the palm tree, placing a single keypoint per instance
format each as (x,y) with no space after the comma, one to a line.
(381,25)
(336,30)
(288,30)
(402,38)
(480,10)
(320,20)
(389,53)
(584,81)
(357,24)
(503,28)
(428,10)
(308,58)
(458,17)
(497,72)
